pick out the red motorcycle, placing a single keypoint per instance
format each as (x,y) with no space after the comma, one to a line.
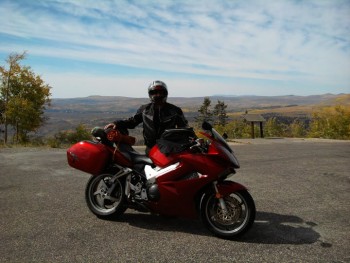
(184,176)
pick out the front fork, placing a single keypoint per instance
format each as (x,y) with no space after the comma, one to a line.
(220,198)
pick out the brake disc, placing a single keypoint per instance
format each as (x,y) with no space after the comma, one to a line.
(234,211)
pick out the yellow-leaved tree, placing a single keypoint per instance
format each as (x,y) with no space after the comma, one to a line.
(331,122)
(23,98)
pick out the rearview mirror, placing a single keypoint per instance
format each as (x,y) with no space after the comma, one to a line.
(207,126)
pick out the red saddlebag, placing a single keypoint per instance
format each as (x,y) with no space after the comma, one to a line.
(88,156)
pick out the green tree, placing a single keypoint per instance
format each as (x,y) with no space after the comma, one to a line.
(7,78)
(2,110)
(80,133)
(297,129)
(273,128)
(205,113)
(220,113)
(237,129)
(24,96)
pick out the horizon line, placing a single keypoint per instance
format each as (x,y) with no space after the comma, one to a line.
(214,95)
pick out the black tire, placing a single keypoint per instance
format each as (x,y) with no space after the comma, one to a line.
(100,202)
(238,220)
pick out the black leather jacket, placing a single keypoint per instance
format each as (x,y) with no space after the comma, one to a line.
(155,122)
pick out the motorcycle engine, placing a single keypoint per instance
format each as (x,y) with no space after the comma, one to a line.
(153,192)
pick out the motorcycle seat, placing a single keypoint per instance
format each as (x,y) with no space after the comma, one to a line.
(134,156)
(139,158)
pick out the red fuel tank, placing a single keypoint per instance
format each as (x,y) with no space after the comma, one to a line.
(159,158)
(87,156)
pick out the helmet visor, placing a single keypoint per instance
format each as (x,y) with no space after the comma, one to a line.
(158,90)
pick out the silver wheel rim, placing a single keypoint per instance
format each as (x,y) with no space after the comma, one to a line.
(100,198)
(234,221)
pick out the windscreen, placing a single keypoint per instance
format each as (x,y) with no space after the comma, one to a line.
(218,137)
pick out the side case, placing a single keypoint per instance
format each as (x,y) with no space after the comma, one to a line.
(87,156)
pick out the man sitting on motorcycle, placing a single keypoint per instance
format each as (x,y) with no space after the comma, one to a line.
(156,116)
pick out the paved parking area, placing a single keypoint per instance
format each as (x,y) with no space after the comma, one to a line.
(301,189)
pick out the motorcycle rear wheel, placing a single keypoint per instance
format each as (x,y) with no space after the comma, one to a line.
(102,199)
(238,220)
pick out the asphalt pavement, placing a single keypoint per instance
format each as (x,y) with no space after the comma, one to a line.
(301,189)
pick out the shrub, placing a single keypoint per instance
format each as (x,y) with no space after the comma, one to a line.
(80,133)
(331,122)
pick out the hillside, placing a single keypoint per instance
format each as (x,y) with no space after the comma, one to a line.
(126,104)
(64,114)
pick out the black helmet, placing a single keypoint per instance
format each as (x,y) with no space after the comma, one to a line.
(158,92)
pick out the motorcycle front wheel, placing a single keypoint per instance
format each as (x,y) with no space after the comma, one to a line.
(233,223)
(105,197)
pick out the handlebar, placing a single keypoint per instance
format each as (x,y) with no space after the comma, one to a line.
(199,145)
(109,136)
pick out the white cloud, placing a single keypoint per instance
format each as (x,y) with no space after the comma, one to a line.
(299,41)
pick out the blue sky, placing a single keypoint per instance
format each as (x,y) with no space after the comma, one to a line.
(199,48)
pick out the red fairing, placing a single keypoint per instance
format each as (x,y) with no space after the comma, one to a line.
(178,197)
(178,194)
(89,157)
(161,159)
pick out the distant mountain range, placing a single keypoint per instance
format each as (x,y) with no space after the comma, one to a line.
(127,104)
(64,114)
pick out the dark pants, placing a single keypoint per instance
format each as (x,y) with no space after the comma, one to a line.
(147,150)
